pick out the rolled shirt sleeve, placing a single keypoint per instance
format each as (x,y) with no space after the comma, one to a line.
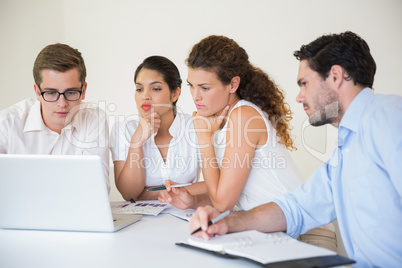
(311,205)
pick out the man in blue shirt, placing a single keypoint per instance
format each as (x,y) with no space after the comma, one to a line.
(361,185)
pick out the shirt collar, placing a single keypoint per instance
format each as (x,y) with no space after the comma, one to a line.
(176,126)
(34,120)
(353,114)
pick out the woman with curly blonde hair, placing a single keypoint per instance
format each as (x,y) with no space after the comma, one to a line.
(243,130)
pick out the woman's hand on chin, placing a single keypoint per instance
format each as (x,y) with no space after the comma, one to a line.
(206,126)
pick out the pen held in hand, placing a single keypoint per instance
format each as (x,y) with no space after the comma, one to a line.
(164,187)
(215,220)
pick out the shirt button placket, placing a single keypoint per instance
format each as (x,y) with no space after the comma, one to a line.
(165,171)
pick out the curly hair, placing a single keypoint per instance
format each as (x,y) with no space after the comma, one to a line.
(227,59)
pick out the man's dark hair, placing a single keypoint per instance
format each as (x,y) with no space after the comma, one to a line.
(347,50)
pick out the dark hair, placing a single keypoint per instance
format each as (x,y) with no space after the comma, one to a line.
(60,58)
(347,50)
(227,59)
(166,68)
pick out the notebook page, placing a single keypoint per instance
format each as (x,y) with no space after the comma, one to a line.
(279,251)
(235,240)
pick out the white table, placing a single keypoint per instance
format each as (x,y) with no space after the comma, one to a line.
(147,243)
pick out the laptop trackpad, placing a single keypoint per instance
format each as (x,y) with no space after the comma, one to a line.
(123,220)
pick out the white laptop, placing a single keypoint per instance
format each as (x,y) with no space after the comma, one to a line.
(56,192)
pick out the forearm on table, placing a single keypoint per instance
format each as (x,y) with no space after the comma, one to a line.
(222,192)
(131,180)
(265,218)
(201,200)
(149,195)
(224,188)
(210,171)
(197,188)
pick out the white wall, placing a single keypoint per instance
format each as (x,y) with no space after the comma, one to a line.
(115,37)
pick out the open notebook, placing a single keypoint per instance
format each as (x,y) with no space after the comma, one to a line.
(268,249)
(56,192)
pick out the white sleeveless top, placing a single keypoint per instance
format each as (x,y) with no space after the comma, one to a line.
(272,172)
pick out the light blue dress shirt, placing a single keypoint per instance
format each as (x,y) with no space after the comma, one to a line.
(360,186)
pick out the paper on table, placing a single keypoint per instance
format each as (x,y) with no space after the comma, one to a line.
(182,214)
(261,247)
(151,207)
(188,213)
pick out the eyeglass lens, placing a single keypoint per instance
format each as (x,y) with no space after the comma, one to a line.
(71,95)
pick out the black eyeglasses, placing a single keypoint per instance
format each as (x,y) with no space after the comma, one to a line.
(70,94)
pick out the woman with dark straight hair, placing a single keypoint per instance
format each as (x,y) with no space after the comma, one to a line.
(155,146)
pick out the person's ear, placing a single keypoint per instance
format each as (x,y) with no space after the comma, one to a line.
(37,92)
(176,94)
(234,84)
(337,75)
(84,90)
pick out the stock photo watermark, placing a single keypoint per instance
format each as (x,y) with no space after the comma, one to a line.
(100,137)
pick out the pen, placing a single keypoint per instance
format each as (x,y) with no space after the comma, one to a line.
(164,187)
(220,217)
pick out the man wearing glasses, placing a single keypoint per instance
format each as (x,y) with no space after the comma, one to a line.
(57,122)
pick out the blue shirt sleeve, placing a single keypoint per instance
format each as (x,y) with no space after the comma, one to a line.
(311,205)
